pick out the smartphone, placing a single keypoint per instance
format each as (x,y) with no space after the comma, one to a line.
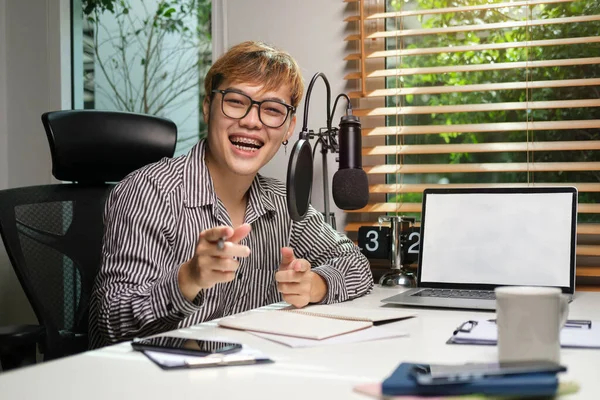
(185,346)
(437,374)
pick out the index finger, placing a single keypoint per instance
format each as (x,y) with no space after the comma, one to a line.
(216,233)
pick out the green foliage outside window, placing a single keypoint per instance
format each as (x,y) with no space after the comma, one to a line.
(520,34)
(141,43)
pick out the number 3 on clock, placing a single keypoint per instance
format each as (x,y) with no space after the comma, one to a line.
(374,242)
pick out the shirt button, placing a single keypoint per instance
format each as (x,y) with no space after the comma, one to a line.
(169,306)
(337,296)
(180,314)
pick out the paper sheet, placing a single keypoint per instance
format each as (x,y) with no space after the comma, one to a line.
(373,333)
(292,324)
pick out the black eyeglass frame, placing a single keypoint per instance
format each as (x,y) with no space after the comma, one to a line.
(290,109)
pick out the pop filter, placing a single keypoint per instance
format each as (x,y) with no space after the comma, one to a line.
(299,179)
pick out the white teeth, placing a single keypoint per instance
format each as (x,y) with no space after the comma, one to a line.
(240,139)
(251,149)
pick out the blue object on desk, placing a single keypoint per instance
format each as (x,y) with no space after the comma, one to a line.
(402,383)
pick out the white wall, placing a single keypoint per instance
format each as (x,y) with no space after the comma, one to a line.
(313,32)
(3,133)
(34,78)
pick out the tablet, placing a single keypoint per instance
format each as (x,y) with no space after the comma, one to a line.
(185,346)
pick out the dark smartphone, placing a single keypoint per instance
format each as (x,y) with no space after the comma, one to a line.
(437,374)
(185,346)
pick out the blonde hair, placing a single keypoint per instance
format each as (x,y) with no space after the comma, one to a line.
(256,62)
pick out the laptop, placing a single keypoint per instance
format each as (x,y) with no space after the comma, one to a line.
(474,240)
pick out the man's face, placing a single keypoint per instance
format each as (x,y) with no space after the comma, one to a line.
(244,145)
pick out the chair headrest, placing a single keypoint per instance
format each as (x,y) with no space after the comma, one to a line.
(104,146)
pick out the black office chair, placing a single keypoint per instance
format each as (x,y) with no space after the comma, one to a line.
(53,233)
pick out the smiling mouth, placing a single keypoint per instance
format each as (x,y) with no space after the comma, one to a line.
(246,144)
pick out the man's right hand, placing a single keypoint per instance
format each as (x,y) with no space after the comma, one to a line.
(211,265)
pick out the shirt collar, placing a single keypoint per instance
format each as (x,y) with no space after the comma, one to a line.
(197,181)
(200,189)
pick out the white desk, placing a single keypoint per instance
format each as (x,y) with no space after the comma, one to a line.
(117,372)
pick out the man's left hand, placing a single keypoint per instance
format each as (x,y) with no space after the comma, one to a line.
(296,282)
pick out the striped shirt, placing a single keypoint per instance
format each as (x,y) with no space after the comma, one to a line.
(153,219)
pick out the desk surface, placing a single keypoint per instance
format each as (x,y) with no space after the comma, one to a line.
(313,373)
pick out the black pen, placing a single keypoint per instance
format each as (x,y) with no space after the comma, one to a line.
(578,323)
(209,361)
(571,323)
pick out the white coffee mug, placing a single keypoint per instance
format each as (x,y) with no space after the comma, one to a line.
(529,321)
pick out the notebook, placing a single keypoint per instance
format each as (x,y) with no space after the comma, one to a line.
(474,240)
(313,322)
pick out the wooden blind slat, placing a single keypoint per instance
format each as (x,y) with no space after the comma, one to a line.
(477,88)
(381,73)
(586,287)
(494,147)
(588,271)
(453,9)
(588,250)
(582,229)
(482,167)
(584,208)
(532,105)
(476,47)
(477,27)
(490,127)
(588,229)
(394,188)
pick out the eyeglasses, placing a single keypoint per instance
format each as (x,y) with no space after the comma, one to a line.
(271,113)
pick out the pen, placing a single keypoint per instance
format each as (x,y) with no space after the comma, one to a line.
(571,323)
(578,323)
(221,361)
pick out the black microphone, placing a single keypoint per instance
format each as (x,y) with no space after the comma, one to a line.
(350,185)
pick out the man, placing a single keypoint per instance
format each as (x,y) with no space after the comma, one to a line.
(203,236)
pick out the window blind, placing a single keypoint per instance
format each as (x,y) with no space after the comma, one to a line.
(470,93)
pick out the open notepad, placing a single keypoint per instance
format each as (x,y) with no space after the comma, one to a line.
(313,322)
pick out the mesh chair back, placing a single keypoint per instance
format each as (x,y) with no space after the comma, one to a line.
(53,233)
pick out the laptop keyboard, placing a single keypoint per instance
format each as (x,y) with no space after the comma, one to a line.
(457,293)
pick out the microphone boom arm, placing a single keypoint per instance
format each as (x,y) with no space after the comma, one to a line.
(298,186)
(326,137)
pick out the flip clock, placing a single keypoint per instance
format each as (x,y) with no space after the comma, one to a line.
(398,243)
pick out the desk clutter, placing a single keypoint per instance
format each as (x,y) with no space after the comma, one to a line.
(174,352)
(317,325)
(309,327)
(403,384)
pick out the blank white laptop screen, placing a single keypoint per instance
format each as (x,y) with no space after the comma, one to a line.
(497,238)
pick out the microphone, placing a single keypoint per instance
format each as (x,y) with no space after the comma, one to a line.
(350,185)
